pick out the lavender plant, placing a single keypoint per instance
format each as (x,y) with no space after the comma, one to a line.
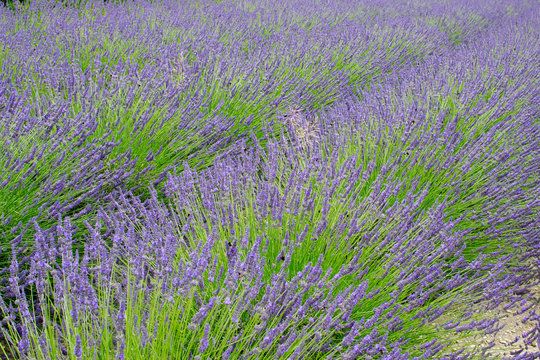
(252,180)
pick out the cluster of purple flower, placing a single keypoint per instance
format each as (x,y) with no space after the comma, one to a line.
(253,180)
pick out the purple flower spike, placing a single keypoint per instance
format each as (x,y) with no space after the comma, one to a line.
(78,348)
(204,341)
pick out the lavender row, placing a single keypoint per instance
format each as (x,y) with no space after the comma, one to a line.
(394,148)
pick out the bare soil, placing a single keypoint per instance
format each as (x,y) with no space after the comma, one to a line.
(504,346)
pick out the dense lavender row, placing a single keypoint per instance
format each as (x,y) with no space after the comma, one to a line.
(253,180)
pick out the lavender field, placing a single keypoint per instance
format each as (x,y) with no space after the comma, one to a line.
(269,179)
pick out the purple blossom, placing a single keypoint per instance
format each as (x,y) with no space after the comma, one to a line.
(204,340)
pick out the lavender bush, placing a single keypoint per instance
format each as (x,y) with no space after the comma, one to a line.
(267,180)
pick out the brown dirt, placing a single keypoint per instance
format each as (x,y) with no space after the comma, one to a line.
(513,327)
